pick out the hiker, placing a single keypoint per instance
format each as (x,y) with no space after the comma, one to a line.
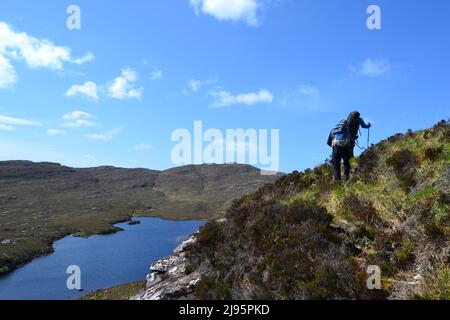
(354,122)
(341,142)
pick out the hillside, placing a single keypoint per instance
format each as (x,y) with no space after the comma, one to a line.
(305,237)
(42,202)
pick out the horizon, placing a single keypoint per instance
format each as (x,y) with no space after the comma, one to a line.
(195,165)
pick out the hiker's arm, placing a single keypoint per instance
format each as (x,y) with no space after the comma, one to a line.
(363,124)
(330,140)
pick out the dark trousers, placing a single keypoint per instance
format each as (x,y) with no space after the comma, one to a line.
(341,154)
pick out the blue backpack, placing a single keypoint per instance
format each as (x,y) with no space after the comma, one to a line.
(341,135)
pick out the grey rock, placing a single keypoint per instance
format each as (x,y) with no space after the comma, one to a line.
(167,278)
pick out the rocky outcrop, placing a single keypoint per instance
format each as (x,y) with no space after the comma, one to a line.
(167,278)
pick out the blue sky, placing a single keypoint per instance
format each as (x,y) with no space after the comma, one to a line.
(113,92)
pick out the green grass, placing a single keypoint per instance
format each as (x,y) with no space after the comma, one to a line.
(4,269)
(308,195)
(122,292)
(437,286)
(441,212)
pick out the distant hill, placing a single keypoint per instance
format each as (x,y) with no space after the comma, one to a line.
(42,202)
(305,237)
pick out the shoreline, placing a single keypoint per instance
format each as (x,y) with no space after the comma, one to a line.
(11,267)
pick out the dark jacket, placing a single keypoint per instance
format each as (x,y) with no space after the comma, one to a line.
(354,129)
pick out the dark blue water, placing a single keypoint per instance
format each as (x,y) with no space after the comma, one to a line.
(105,261)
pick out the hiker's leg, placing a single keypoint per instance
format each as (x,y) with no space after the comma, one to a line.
(347,155)
(337,163)
(352,149)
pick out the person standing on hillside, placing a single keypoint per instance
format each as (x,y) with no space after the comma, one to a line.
(341,142)
(343,139)
(355,122)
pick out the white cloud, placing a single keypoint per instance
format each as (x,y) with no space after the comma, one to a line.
(142,147)
(8,75)
(37,53)
(77,119)
(371,68)
(88,57)
(223,98)
(55,132)
(88,89)
(309,91)
(76,115)
(157,75)
(123,87)
(17,121)
(231,10)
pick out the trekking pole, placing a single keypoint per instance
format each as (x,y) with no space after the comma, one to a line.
(368,138)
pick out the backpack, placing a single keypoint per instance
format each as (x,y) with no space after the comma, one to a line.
(353,123)
(341,136)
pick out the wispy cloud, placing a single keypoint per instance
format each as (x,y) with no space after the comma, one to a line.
(88,57)
(105,136)
(76,115)
(55,132)
(308,98)
(123,87)
(6,127)
(230,10)
(88,90)
(78,123)
(309,91)
(223,98)
(156,75)
(195,85)
(18,121)
(77,119)
(371,68)
(99,136)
